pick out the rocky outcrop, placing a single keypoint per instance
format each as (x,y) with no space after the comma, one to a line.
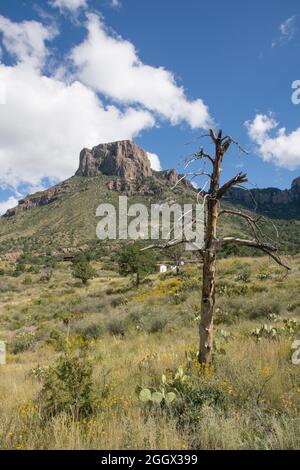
(121,186)
(123,158)
(12,256)
(39,199)
(171,175)
(272,201)
(70,251)
(149,186)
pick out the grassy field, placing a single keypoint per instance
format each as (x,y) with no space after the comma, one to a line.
(115,340)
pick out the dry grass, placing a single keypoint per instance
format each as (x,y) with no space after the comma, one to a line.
(258,378)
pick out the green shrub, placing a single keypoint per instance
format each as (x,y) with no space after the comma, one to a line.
(33,269)
(156,325)
(262,308)
(184,396)
(47,276)
(244,275)
(83,270)
(94,331)
(109,291)
(23,341)
(187,408)
(116,327)
(223,316)
(68,387)
(56,339)
(116,302)
(27,280)
(264,274)
(5,287)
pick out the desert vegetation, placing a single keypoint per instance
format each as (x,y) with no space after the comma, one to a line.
(105,364)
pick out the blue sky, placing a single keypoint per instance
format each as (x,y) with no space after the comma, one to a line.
(78,72)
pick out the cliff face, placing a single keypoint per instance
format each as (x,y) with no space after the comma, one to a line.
(122,158)
(125,162)
(39,199)
(271,201)
(129,168)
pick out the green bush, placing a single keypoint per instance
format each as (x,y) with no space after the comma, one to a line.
(94,331)
(117,327)
(23,341)
(156,325)
(184,396)
(83,270)
(47,276)
(244,275)
(27,280)
(33,269)
(68,387)
(187,409)
(5,287)
(56,339)
(117,301)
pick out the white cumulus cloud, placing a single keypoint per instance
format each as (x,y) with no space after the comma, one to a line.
(110,65)
(46,120)
(71,5)
(46,123)
(275,144)
(154,161)
(25,41)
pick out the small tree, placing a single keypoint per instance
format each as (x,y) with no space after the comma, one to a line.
(133,261)
(68,386)
(82,270)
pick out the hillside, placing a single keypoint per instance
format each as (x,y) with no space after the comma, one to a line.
(63,218)
(271,202)
(69,219)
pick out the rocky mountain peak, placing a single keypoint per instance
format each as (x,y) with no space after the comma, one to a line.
(122,158)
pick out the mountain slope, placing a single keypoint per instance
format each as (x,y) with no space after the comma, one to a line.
(69,218)
(271,202)
(64,217)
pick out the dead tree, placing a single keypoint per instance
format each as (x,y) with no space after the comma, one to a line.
(211,241)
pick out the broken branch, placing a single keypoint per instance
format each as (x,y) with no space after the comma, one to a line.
(265,247)
(238,179)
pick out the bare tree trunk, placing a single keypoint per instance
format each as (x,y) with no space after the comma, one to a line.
(209,263)
(213,197)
